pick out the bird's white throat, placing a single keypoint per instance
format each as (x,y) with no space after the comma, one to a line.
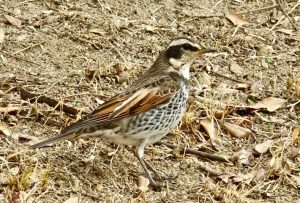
(183,68)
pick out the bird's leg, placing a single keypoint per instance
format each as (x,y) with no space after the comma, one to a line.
(139,153)
(141,160)
(157,173)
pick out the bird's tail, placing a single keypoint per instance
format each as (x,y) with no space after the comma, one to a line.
(60,137)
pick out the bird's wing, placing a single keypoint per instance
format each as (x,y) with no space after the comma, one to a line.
(131,102)
(136,101)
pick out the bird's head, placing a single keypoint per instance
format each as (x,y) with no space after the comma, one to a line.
(182,52)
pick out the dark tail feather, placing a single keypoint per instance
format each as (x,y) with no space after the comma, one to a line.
(71,131)
(57,138)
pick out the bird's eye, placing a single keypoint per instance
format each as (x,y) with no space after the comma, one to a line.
(189,47)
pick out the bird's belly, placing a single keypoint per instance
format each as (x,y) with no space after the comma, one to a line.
(112,135)
(157,122)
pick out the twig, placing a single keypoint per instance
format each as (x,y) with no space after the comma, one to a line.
(292,106)
(51,102)
(259,9)
(121,55)
(213,8)
(228,78)
(19,58)
(280,19)
(10,13)
(209,170)
(286,14)
(29,47)
(195,152)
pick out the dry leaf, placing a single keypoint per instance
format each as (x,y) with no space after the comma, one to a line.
(9,109)
(295,151)
(290,82)
(270,103)
(296,135)
(14,21)
(297,90)
(242,86)
(256,86)
(259,174)
(237,131)
(99,187)
(245,178)
(27,137)
(296,180)
(263,147)
(222,90)
(286,31)
(236,69)
(206,79)
(72,200)
(236,19)
(4,129)
(143,183)
(2,35)
(14,171)
(209,127)
(244,157)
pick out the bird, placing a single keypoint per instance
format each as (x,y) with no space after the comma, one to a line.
(147,110)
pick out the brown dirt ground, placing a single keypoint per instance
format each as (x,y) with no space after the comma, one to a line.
(60,42)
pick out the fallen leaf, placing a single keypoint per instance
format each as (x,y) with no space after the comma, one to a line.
(4,179)
(9,109)
(14,171)
(7,77)
(226,176)
(236,69)
(263,147)
(236,19)
(264,63)
(2,35)
(206,80)
(265,50)
(4,129)
(290,82)
(99,187)
(295,151)
(259,174)
(242,86)
(21,37)
(237,131)
(143,183)
(297,89)
(26,136)
(245,178)
(296,135)
(286,31)
(14,21)
(278,166)
(222,90)
(296,180)
(256,86)
(72,200)
(244,157)
(270,103)
(209,127)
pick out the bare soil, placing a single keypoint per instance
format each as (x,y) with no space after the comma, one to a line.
(82,52)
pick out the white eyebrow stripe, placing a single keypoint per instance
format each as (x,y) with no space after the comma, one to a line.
(182,41)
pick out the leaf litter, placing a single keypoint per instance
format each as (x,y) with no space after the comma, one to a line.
(265,152)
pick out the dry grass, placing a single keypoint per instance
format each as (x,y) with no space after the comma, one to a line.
(61,42)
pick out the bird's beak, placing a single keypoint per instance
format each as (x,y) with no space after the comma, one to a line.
(207,50)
